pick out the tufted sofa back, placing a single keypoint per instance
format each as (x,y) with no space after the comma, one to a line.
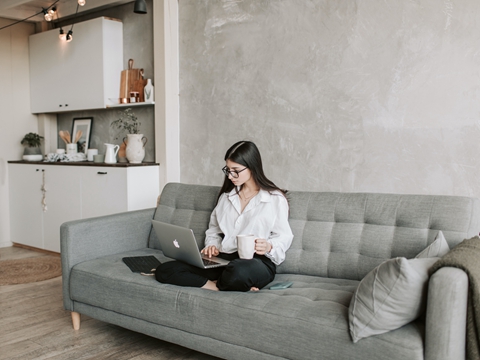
(186,205)
(345,235)
(340,235)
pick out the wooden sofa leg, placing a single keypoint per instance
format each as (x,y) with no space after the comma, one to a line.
(76,320)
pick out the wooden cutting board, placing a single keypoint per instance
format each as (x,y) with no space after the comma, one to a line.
(131,80)
(138,86)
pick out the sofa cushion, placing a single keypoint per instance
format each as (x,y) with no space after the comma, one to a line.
(310,319)
(389,297)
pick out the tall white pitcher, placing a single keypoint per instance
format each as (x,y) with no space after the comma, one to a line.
(111,153)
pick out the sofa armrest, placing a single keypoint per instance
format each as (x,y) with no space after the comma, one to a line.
(88,239)
(446,321)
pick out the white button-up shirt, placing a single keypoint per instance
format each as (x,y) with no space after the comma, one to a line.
(265,216)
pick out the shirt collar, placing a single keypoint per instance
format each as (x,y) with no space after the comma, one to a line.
(265,196)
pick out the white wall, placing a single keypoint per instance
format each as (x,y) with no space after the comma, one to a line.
(167,122)
(15,117)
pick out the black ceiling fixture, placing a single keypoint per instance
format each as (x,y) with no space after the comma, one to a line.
(140,7)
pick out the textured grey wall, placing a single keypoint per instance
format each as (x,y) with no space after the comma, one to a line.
(103,133)
(137,45)
(357,95)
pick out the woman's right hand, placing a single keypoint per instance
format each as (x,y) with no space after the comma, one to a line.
(210,251)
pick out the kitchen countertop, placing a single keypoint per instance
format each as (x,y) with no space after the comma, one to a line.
(82,163)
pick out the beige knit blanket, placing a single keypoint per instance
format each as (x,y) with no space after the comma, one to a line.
(466,256)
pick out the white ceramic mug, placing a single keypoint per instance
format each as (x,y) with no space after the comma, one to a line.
(246,246)
(90,153)
(71,148)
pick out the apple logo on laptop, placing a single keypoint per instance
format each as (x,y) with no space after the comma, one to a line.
(175,242)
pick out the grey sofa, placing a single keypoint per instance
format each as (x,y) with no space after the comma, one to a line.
(339,238)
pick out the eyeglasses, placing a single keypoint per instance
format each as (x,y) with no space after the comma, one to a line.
(234,173)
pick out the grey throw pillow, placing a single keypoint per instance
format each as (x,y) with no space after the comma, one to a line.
(394,293)
(389,297)
(438,248)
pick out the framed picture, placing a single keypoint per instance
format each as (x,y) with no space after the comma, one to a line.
(82,130)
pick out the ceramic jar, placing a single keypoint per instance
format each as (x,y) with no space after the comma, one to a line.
(135,150)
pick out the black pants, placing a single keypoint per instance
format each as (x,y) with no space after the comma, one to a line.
(238,275)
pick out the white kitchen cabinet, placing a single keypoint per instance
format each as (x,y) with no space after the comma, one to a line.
(73,192)
(30,224)
(26,216)
(101,187)
(64,200)
(79,75)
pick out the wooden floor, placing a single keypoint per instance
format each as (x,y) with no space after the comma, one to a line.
(33,325)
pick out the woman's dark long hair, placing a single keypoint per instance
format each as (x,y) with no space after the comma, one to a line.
(246,153)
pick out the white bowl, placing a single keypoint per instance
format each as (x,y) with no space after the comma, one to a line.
(33,157)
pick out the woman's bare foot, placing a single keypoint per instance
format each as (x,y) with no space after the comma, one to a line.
(253,288)
(210,285)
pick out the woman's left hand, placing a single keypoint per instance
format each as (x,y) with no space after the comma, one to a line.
(262,246)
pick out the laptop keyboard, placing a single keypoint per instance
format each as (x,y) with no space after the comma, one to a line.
(209,262)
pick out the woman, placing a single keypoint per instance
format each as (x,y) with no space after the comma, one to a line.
(248,203)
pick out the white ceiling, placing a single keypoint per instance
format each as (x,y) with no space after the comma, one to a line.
(21,9)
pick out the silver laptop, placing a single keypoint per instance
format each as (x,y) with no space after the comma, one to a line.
(179,243)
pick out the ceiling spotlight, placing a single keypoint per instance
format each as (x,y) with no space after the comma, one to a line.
(69,36)
(81,2)
(62,35)
(140,7)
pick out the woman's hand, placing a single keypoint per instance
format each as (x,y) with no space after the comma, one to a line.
(210,251)
(262,246)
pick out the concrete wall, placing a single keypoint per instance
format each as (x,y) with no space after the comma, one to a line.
(358,95)
(15,118)
(137,45)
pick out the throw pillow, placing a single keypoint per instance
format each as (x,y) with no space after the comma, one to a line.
(438,248)
(389,297)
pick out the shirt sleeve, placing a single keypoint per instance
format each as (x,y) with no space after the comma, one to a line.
(214,233)
(281,235)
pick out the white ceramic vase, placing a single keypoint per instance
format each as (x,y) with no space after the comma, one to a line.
(148,92)
(135,150)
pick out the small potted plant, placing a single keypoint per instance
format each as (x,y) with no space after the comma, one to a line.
(135,147)
(127,122)
(32,146)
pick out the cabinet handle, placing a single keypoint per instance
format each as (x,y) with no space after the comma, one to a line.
(42,170)
(102,173)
